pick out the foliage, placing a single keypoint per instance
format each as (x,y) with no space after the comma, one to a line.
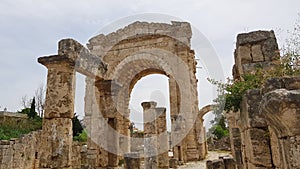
(25,111)
(219,132)
(12,128)
(82,137)
(77,127)
(219,129)
(121,162)
(291,50)
(39,100)
(230,94)
(32,113)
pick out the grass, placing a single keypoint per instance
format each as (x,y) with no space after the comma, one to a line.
(12,128)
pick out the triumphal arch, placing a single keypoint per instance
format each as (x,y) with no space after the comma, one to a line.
(113,64)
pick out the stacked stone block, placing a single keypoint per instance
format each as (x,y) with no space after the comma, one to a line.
(265,133)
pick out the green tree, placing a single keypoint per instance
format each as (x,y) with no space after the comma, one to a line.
(77,127)
(25,111)
(32,113)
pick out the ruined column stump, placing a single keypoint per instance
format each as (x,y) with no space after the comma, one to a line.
(150,138)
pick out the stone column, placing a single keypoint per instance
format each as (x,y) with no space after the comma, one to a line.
(176,121)
(150,134)
(162,138)
(108,90)
(56,139)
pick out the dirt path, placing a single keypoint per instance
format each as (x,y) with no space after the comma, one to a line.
(212,155)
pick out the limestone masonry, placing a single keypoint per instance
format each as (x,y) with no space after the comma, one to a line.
(264,134)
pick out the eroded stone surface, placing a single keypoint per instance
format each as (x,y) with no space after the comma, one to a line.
(56,150)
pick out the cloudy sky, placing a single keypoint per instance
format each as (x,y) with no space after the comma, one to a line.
(30,29)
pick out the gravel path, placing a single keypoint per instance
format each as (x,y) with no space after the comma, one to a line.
(212,155)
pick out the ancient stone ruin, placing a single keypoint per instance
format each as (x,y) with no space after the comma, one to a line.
(112,65)
(264,134)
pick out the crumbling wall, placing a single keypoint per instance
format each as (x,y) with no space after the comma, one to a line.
(265,132)
(280,106)
(254,133)
(20,153)
(248,129)
(255,49)
(23,153)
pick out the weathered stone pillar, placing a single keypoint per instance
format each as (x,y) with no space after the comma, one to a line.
(107,103)
(56,139)
(175,121)
(162,138)
(150,135)
(132,160)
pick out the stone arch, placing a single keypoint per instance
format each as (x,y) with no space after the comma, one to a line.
(113,63)
(130,56)
(204,110)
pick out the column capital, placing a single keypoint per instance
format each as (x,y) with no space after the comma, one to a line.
(149,105)
(57,61)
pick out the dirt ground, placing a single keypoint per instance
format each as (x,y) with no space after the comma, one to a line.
(202,164)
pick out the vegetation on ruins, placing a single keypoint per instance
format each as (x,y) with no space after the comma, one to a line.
(82,137)
(230,93)
(79,133)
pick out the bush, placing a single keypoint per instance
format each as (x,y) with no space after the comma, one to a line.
(77,127)
(12,128)
(219,132)
(82,137)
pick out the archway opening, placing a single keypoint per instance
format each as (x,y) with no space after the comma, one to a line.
(153,87)
(79,95)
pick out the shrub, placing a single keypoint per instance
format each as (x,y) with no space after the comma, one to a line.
(82,137)
(12,128)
